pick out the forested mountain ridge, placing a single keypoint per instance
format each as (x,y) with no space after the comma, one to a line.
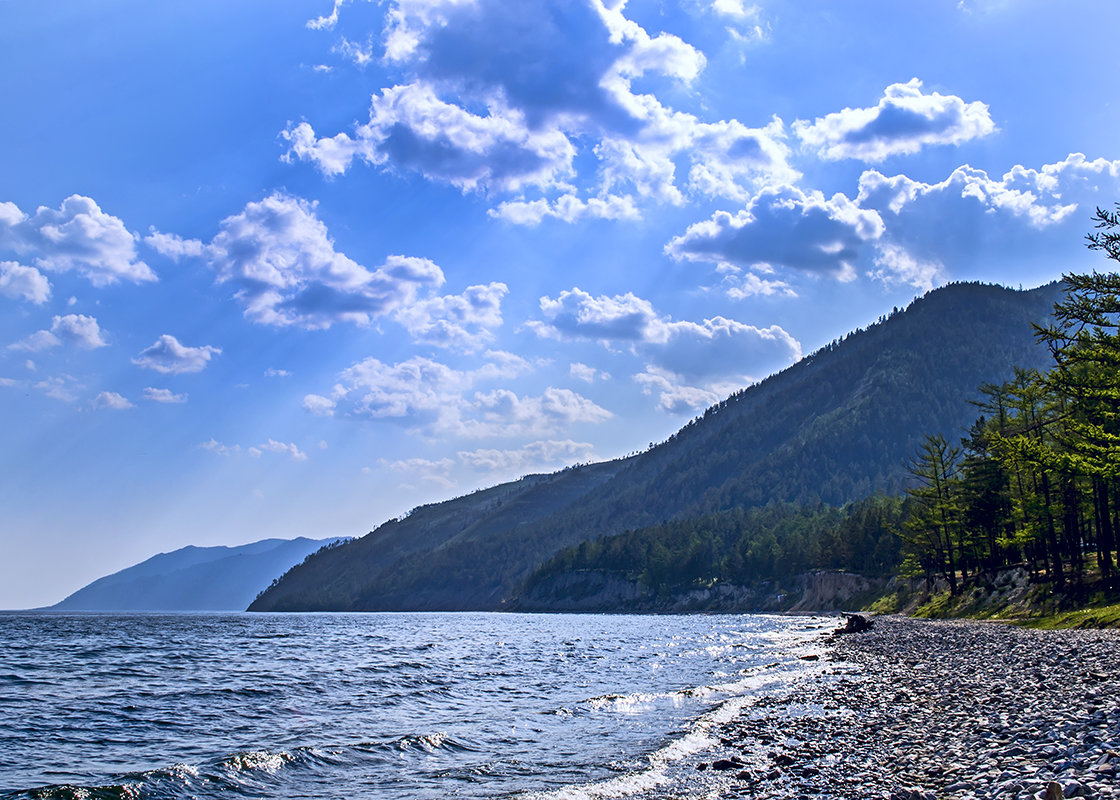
(835,427)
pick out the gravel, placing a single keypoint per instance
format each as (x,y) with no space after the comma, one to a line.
(916,710)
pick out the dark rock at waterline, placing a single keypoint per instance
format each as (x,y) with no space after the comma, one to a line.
(856,623)
(723,764)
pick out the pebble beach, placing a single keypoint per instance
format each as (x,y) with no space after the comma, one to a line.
(918,710)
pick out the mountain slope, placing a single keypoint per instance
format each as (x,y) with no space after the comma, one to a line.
(193,578)
(837,426)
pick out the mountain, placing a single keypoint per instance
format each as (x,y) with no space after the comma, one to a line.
(837,426)
(194,578)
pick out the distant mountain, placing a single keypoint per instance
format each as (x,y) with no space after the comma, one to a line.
(194,578)
(837,426)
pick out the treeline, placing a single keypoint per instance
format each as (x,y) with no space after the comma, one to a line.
(742,546)
(1037,479)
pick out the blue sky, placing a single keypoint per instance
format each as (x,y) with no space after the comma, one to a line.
(292,269)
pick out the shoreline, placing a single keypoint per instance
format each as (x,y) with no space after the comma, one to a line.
(921,710)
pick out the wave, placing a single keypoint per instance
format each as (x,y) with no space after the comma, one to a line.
(242,772)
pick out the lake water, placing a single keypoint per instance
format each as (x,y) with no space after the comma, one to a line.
(376,705)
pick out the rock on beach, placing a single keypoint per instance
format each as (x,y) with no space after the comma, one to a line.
(917,710)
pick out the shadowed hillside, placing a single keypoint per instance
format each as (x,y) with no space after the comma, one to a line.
(837,426)
(193,578)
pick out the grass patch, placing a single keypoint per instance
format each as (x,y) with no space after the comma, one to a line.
(1102,617)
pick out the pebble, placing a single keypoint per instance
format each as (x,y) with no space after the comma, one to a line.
(946,710)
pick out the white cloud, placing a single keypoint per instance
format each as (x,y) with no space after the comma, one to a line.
(433,471)
(904,121)
(435,399)
(734,8)
(270,446)
(172,246)
(742,284)
(505,103)
(972,217)
(36,342)
(282,261)
(64,388)
(567,208)
(271,372)
(360,54)
(587,373)
(689,363)
(78,236)
(286,271)
(163,396)
(411,128)
(24,283)
(675,397)
(273,446)
(77,329)
(214,446)
(714,346)
(535,455)
(111,400)
(896,266)
(168,356)
(80,329)
(320,406)
(1043,197)
(577,314)
(329,21)
(465,321)
(729,159)
(785,227)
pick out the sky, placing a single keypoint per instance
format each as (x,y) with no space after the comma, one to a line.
(292,269)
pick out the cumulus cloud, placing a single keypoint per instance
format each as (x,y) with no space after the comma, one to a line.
(80,329)
(674,396)
(895,266)
(111,400)
(77,236)
(505,103)
(169,356)
(36,342)
(77,329)
(904,121)
(412,128)
(23,283)
(971,215)
(1042,196)
(577,314)
(436,399)
(285,270)
(567,208)
(272,372)
(688,363)
(465,321)
(163,395)
(784,227)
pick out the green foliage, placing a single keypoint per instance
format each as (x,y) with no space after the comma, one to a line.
(1041,479)
(742,547)
(834,428)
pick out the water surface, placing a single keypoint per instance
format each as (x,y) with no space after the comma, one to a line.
(370,705)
